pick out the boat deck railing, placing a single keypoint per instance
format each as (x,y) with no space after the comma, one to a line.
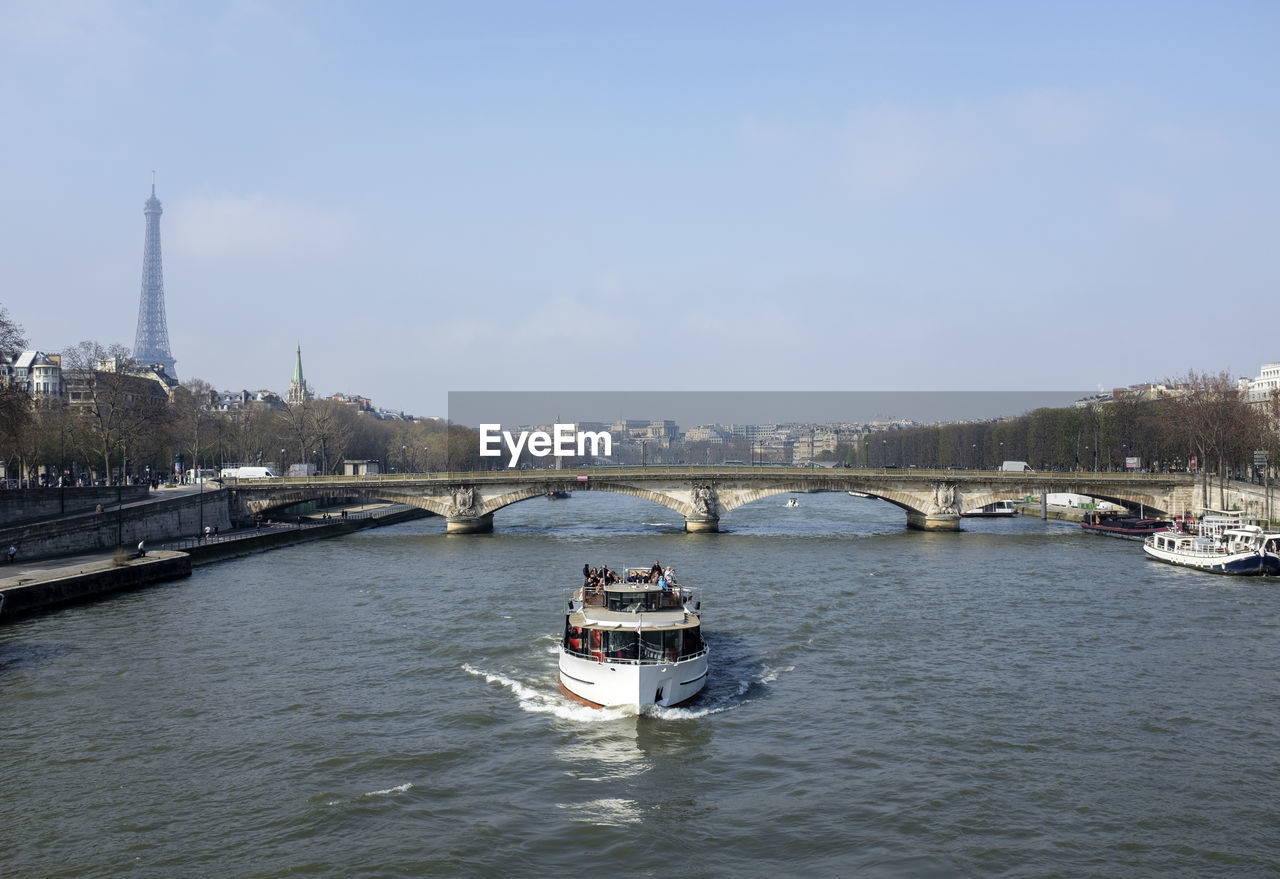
(671,599)
(615,659)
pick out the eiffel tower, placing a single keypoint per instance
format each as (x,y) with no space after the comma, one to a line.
(151,346)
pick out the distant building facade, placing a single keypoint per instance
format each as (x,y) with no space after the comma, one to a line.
(39,374)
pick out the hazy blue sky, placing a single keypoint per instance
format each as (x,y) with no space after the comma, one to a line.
(488,196)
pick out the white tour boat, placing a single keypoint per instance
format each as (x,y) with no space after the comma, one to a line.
(996,509)
(633,643)
(793,502)
(1220,542)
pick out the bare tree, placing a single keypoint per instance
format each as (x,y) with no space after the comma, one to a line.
(193,418)
(1206,414)
(15,403)
(115,405)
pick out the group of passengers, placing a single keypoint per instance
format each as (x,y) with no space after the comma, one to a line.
(657,575)
(594,578)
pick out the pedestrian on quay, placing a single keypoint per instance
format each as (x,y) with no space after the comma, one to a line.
(207,532)
(13,550)
(142,549)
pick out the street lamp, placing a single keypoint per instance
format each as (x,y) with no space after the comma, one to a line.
(120,499)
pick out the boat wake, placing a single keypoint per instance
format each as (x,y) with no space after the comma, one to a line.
(547,699)
(398,789)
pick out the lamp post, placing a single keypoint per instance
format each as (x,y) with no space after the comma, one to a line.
(62,467)
(120,499)
(200,480)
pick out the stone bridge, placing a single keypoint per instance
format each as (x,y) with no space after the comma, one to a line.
(933,499)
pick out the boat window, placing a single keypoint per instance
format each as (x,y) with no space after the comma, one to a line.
(575,640)
(620,644)
(637,602)
(652,646)
(692,641)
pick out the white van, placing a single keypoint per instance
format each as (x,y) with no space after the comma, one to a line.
(248,473)
(1016,467)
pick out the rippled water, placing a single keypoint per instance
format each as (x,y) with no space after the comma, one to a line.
(1016,700)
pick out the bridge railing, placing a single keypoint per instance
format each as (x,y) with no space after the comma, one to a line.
(570,477)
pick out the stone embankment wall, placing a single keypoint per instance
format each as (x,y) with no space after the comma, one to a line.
(92,581)
(152,521)
(29,504)
(88,580)
(272,538)
(1255,500)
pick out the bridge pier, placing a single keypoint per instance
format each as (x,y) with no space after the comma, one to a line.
(701,525)
(469,524)
(923,522)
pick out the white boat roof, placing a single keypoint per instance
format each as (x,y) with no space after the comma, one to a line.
(617,619)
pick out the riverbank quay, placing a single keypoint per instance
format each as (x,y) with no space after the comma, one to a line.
(333,523)
(35,588)
(48,584)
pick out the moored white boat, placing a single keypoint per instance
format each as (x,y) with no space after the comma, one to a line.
(1220,542)
(632,643)
(997,509)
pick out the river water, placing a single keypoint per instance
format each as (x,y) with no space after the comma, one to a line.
(1019,699)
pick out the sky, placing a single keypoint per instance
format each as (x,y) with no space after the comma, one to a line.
(712,196)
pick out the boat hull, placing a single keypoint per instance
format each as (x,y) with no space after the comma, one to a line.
(632,685)
(1136,531)
(1251,563)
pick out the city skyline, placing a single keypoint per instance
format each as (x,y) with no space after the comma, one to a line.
(725,197)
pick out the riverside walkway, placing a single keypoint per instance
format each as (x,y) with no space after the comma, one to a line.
(38,584)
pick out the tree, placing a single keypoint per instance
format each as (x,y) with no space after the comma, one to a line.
(12,338)
(15,403)
(115,406)
(193,421)
(1206,415)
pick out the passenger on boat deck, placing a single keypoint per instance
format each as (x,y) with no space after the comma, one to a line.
(655,572)
(671,576)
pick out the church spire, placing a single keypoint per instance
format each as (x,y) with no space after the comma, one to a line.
(298,392)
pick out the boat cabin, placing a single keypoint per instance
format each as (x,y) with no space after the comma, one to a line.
(632,620)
